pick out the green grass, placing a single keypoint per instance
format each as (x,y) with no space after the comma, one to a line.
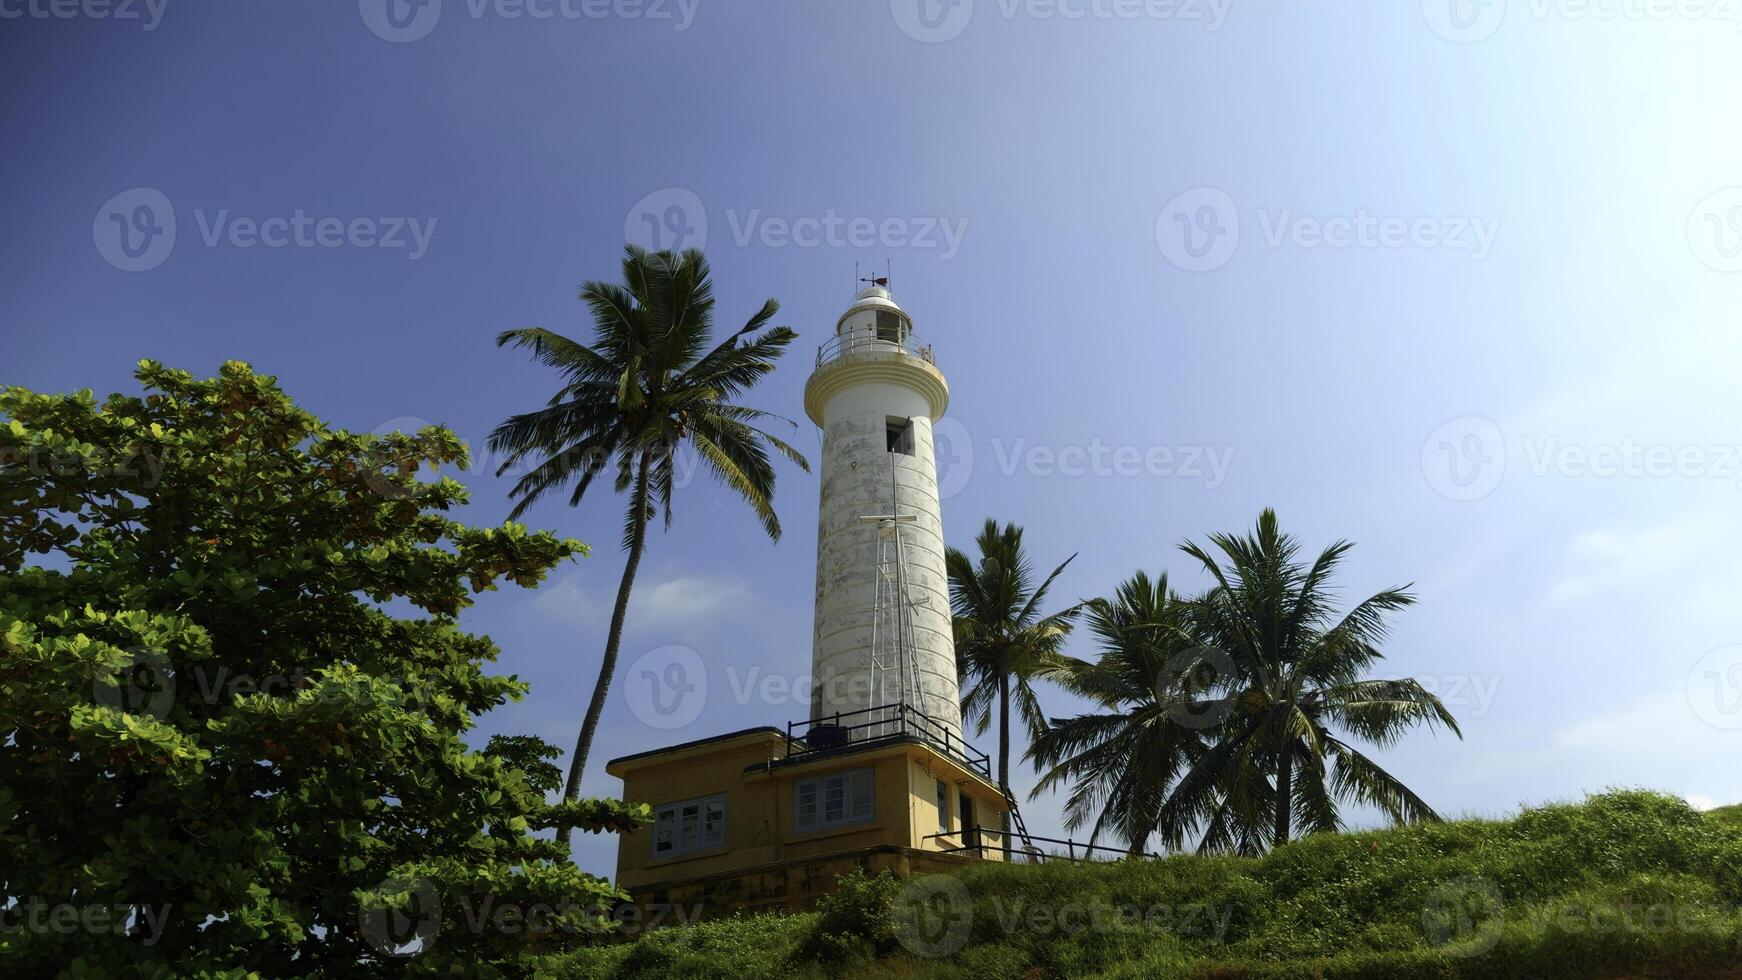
(1625,884)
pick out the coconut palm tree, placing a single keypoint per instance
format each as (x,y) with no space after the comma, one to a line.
(1148,724)
(1296,698)
(650,383)
(1003,642)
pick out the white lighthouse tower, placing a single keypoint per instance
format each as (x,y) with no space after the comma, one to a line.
(879,776)
(882,638)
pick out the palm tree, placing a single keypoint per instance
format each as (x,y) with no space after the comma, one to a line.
(1002,640)
(1121,758)
(1295,697)
(648,385)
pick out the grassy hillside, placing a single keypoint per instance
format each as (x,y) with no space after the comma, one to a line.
(1626,884)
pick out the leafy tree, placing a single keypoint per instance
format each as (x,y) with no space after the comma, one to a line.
(648,385)
(1296,697)
(1003,643)
(220,754)
(1148,724)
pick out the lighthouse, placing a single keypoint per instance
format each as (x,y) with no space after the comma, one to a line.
(877,776)
(882,649)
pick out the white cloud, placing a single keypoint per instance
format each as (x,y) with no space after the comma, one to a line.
(1609,559)
(680,604)
(1645,727)
(1650,385)
(1702,802)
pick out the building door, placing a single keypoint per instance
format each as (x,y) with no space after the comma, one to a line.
(970,829)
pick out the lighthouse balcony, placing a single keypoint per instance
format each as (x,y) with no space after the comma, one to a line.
(856,731)
(857,357)
(880,342)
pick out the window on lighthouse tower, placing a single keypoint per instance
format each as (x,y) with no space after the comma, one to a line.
(890,327)
(900,432)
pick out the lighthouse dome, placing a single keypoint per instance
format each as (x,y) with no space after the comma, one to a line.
(875,313)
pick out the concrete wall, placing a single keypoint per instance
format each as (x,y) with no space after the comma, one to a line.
(857,481)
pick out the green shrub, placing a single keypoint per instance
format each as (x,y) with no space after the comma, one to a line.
(1627,883)
(761,946)
(856,922)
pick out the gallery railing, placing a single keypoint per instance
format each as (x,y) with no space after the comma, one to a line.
(885,722)
(977,840)
(854,343)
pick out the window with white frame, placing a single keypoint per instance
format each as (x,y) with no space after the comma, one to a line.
(943,807)
(833,801)
(689,825)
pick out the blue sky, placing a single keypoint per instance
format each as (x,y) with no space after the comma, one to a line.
(1456,282)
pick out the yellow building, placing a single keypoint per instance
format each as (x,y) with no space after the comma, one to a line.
(764,818)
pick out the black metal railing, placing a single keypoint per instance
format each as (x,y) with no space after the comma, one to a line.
(866,343)
(974,840)
(880,723)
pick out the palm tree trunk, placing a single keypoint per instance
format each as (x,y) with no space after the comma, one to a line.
(1284,790)
(1004,753)
(608,666)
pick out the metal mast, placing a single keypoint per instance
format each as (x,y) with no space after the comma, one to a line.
(892,640)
